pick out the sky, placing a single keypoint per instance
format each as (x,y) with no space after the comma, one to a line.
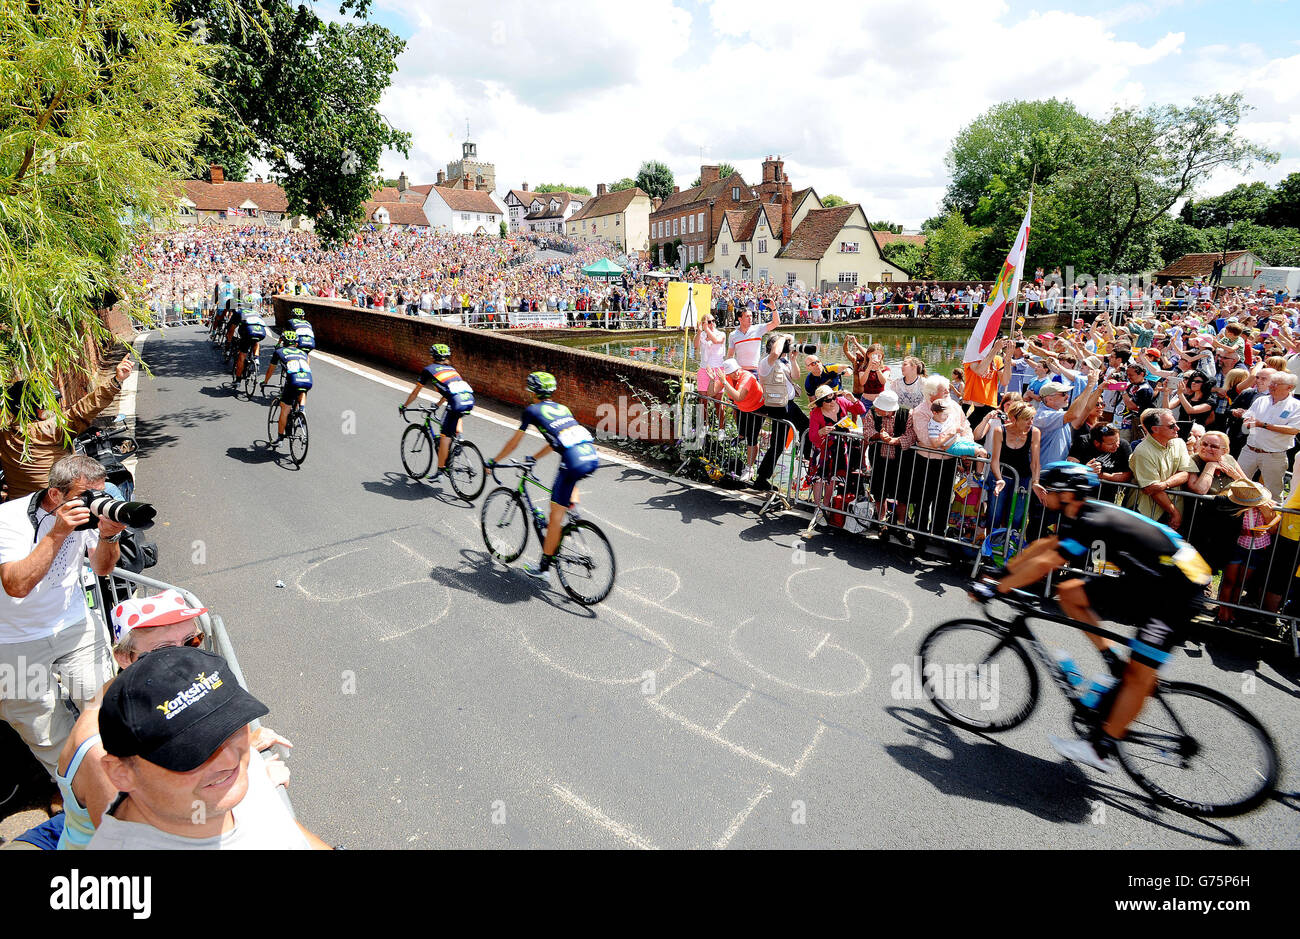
(861,100)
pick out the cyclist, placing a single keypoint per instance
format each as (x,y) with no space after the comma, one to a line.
(450,387)
(578,459)
(251,330)
(1160,577)
(306,335)
(297,376)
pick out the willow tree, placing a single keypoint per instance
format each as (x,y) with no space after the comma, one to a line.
(97,113)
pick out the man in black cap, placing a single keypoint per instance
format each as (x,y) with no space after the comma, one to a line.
(175,728)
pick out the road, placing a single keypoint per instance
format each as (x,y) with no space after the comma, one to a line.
(739,688)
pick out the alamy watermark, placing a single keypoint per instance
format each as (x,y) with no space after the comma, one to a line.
(950,681)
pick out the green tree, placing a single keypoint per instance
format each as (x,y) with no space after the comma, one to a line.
(1247,202)
(505,230)
(563,187)
(725,171)
(627,182)
(884,226)
(301,94)
(1025,134)
(831,200)
(1174,238)
(655,179)
(1276,247)
(99,111)
(1284,209)
(907,255)
(1141,163)
(948,247)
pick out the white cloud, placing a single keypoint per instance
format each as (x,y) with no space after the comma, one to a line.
(860,101)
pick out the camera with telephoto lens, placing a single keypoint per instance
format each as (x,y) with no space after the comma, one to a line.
(808,348)
(102,505)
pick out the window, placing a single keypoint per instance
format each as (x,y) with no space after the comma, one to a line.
(661,254)
(464,216)
(886,277)
(690,254)
(849,278)
(701,221)
(617,219)
(724,248)
(492,218)
(691,221)
(674,226)
(848,247)
(762,273)
(790,278)
(762,246)
(735,193)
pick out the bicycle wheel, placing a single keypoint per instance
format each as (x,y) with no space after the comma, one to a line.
(465,467)
(505,524)
(585,563)
(417,451)
(250,379)
(273,422)
(978,676)
(1199,752)
(296,430)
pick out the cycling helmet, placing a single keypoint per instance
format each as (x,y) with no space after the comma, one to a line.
(441,351)
(541,384)
(289,337)
(1064,476)
(297,311)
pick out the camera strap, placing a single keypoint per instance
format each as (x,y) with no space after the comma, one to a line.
(32,507)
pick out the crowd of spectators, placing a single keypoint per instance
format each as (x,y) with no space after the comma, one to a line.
(1188,416)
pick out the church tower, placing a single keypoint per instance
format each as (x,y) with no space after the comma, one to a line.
(480,174)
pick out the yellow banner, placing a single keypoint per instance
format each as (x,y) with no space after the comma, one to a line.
(679,292)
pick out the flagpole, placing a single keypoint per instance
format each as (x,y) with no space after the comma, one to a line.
(1033,177)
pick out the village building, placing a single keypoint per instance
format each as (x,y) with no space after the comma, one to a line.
(619,219)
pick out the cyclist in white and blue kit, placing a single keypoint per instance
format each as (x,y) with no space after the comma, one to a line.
(578,458)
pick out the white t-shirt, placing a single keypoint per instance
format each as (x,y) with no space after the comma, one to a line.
(1284,413)
(747,345)
(58,600)
(262,822)
(713,353)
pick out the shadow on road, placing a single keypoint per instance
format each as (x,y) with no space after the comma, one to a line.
(257,454)
(401,487)
(483,577)
(975,767)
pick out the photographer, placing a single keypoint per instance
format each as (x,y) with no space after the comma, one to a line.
(44,438)
(777,374)
(44,621)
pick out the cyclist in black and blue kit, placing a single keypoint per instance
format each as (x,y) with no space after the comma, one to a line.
(450,387)
(578,458)
(297,376)
(252,330)
(1161,576)
(302,329)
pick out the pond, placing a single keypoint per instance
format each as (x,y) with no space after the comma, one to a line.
(940,349)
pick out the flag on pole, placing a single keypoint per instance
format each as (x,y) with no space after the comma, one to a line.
(1004,291)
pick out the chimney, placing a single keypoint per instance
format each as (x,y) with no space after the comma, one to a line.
(601,189)
(258,179)
(217,174)
(442,178)
(787,214)
(402,182)
(709,175)
(525,187)
(655,203)
(468,181)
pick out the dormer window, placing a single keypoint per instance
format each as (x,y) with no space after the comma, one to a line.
(735,193)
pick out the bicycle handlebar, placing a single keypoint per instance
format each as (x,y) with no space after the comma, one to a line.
(525,464)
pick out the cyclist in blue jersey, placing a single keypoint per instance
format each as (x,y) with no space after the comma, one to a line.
(302,329)
(450,387)
(1161,576)
(578,458)
(297,376)
(252,330)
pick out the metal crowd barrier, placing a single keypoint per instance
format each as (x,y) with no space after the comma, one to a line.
(716,434)
(103,593)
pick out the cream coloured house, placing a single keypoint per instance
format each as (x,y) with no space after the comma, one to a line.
(834,249)
(620,219)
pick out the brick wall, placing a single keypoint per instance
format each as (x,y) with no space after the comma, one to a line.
(493,362)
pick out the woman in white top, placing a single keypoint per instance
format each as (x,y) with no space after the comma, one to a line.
(908,385)
(710,350)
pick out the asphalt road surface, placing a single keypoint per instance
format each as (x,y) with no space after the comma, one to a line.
(739,688)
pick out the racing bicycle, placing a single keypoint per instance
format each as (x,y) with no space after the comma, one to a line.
(584,560)
(1191,748)
(295,429)
(420,445)
(248,380)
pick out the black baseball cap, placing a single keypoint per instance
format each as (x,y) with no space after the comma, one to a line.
(175,707)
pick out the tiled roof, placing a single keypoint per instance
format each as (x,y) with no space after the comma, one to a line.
(798,196)
(817,232)
(467,200)
(392,194)
(741,222)
(268,197)
(678,200)
(888,238)
(399,213)
(608,204)
(1198,265)
(773,212)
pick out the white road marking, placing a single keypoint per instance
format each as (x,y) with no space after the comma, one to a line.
(739,820)
(844,599)
(691,674)
(800,763)
(735,748)
(814,652)
(732,713)
(622,832)
(866,669)
(582,510)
